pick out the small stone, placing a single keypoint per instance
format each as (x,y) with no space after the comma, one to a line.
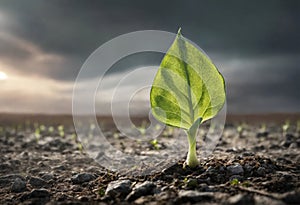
(81,178)
(146,188)
(248,168)
(235,169)
(18,185)
(39,193)
(241,199)
(211,170)
(262,200)
(261,171)
(194,196)
(47,177)
(8,179)
(293,145)
(37,182)
(60,167)
(292,197)
(118,188)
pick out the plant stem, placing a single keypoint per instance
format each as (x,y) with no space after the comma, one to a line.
(192,160)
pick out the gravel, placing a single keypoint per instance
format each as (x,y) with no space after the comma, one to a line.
(146,188)
(118,188)
(18,185)
(235,169)
(81,178)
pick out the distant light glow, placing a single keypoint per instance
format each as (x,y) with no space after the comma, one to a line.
(3,76)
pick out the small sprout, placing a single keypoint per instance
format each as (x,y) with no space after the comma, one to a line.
(101,192)
(37,134)
(263,128)
(285,127)
(42,128)
(92,126)
(51,129)
(234,182)
(240,129)
(80,147)
(116,135)
(74,137)
(60,129)
(154,143)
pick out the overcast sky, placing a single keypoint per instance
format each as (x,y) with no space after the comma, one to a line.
(255,44)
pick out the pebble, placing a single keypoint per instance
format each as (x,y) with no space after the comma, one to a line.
(211,170)
(8,179)
(118,188)
(263,200)
(292,197)
(146,188)
(241,199)
(261,171)
(194,196)
(248,168)
(37,182)
(235,169)
(39,193)
(18,185)
(81,178)
(47,177)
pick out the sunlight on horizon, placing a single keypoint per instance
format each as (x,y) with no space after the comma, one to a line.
(3,76)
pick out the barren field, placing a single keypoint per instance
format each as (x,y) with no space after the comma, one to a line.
(257,161)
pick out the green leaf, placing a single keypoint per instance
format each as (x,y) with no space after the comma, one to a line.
(187,86)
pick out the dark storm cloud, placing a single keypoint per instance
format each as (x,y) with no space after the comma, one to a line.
(64,33)
(271,87)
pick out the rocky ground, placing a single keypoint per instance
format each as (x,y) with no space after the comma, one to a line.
(252,164)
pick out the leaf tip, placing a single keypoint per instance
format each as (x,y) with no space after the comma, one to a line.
(179,31)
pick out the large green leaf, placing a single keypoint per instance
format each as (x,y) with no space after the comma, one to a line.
(188,88)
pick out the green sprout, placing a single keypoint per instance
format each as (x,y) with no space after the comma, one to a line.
(263,128)
(51,129)
(61,131)
(240,129)
(285,127)
(234,182)
(37,134)
(187,90)
(154,143)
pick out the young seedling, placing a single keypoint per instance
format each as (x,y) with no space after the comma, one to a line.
(285,127)
(187,90)
(240,129)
